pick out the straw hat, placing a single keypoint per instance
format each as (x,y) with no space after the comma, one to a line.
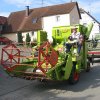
(74,28)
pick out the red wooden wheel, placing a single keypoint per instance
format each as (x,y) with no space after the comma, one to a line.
(9,54)
(47,55)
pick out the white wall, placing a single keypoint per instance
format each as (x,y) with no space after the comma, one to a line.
(51,21)
(11,36)
(14,37)
(86,19)
(33,36)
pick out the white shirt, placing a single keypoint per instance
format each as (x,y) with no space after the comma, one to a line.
(75,35)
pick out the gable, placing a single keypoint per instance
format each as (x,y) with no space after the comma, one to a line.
(74,16)
(18,21)
(82,11)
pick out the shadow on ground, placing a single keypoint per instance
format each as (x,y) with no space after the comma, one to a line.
(35,90)
(87,80)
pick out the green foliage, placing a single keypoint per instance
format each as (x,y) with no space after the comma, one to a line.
(28,38)
(41,37)
(20,38)
(54,41)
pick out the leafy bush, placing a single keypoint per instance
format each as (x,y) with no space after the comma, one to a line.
(20,38)
(28,39)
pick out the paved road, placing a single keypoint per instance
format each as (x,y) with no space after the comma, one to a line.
(88,88)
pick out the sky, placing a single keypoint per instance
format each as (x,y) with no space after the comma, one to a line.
(8,6)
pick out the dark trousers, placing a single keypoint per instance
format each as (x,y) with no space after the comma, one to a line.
(68,46)
(79,47)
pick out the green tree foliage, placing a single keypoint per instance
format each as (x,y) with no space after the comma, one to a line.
(20,38)
(28,38)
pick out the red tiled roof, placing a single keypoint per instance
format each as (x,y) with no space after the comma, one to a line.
(60,9)
(17,21)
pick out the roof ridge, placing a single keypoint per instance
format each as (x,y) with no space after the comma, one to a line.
(19,22)
(46,6)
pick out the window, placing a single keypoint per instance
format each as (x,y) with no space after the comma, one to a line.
(34,20)
(57,18)
(58,32)
(32,33)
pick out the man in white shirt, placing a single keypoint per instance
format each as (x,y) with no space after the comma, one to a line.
(77,36)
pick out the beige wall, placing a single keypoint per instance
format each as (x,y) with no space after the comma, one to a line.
(11,36)
(74,16)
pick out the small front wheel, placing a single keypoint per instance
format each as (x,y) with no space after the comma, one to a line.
(74,76)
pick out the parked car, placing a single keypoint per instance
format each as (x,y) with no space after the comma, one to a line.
(5,40)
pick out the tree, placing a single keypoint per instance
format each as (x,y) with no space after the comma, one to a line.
(20,38)
(28,38)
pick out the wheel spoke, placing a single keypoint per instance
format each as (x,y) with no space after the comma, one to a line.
(15,60)
(6,60)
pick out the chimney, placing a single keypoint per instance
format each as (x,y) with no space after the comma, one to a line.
(27,11)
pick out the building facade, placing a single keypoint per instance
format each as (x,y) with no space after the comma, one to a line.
(88,18)
(44,18)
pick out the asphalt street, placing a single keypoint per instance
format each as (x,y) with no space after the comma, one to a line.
(88,88)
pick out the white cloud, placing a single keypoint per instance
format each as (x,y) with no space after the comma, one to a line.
(34,3)
(19,2)
(54,2)
(23,3)
(93,7)
(6,14)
